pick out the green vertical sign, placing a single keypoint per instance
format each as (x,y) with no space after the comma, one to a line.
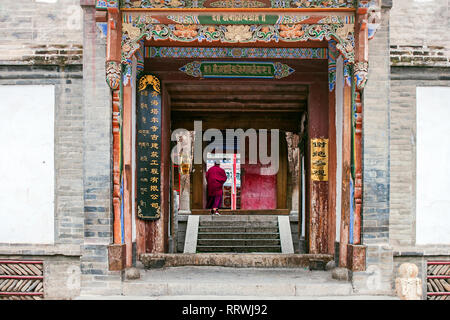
(148,148)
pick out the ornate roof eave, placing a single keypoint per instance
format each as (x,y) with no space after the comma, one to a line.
(287,28)
(214,25)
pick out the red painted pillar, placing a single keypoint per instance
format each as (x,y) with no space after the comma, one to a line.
(318,190)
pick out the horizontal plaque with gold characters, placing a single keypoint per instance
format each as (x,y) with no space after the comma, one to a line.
(237,69)
(319,159)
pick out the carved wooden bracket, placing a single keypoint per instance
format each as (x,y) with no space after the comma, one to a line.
(113,73)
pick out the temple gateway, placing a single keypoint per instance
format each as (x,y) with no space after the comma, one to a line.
(295,67)
(303,103)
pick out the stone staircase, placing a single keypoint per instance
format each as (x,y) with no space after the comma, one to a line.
(238,241)
(238,234)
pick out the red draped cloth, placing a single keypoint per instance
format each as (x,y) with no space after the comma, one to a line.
(215,178)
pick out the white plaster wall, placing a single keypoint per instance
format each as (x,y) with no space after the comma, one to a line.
(433,166)
(27,164)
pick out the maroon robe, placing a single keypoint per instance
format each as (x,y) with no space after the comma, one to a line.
(215,178)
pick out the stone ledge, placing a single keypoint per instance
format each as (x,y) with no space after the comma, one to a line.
(421,251)
(40,250)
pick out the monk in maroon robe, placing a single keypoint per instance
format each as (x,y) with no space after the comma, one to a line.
(215,177)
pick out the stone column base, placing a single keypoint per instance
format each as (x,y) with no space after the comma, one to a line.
(116,257)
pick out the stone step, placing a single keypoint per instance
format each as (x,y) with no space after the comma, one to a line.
(238,235)
(237,229)
(238,249)
(238,242)
(238,260)
(247,224)
(238,218)
(220,281)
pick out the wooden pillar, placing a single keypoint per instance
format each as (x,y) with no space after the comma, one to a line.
(333,54)
(332,172)
(116,252)
(127,182)
(318,190)
(346,174)
(282,172)
(358,171)
(197,186)
(357,252)
(165,170)
(360,78)
(117,236)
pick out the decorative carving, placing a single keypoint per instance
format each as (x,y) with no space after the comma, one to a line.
(322,3)
(238,33)
(246,18)
(130,30)
(342,33)
(373,8)
(113,74)
(333,54)
(408,286)
(222,52)
(237,4)
(149,79)
(360,72)
(171,4)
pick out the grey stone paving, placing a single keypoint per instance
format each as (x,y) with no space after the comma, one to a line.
(217,283)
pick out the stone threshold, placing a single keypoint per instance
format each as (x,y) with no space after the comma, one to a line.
(236,260)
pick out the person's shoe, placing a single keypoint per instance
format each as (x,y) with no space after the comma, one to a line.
(212,211)
(217,212)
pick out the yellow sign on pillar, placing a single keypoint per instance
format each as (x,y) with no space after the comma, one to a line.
(319,159)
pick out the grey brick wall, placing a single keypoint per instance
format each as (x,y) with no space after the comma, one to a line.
(61,264)
(40,33)
(40,46)
(376,167)
(68,141)
(98,211)
(42,43)
(420,52)
(375,224)
(423,24)
(404,82)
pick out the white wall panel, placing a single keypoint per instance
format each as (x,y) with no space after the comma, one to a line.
(27,164)
(433,166)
